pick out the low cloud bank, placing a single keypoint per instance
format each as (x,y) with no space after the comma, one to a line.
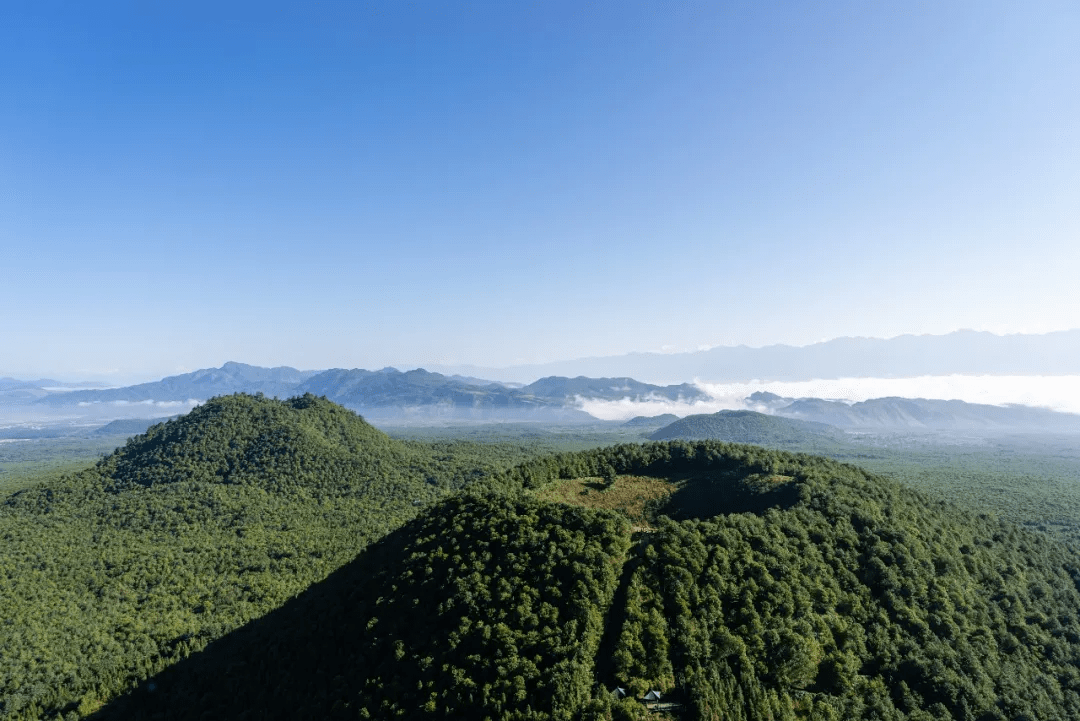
(135,409)
(1059,393)
(626,408)
(190,403)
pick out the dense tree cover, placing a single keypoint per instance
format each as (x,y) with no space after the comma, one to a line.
(31,462)
(863,600)
(189,531)
(770,585)
(792,587)
(1032,479)
(836,595)
(513,595)
(786,616)
(1027,478)
(482,607)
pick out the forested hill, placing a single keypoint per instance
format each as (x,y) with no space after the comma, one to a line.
(738,582)
(747,427)
(190,530)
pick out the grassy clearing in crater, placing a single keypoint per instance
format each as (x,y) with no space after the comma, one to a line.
(639,497)
(643,499)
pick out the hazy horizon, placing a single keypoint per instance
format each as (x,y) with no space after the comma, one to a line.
(112,379)
(1058,393)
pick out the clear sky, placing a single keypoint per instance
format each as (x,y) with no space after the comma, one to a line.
(359,184)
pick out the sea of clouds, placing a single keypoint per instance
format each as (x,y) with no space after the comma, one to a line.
(1059,393)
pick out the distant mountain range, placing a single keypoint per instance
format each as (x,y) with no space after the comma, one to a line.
(8,384)
(912,414)
(390,394)
(201,384)
(11,384)
(388,391)
(814,421)
(962,352)
(14,391)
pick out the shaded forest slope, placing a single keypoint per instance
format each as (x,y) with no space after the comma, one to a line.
(191,530)
(774,586)
(481,607)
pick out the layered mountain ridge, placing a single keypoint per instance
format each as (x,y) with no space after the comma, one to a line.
(387,390)
(393,396)
(917,414)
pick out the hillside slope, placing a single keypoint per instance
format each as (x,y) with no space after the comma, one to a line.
(775,586)
(190,530)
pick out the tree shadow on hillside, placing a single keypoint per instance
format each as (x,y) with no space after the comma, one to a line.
(699,495)
(297,662)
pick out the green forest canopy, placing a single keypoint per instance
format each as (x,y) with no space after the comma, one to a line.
(413,580)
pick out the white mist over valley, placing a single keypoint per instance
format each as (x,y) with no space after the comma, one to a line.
(1059,393)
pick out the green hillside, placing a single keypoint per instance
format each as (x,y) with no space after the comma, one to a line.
(747,427)
(768,586)
(283,559)
(189,531)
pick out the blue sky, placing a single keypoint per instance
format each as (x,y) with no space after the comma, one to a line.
(361,184)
